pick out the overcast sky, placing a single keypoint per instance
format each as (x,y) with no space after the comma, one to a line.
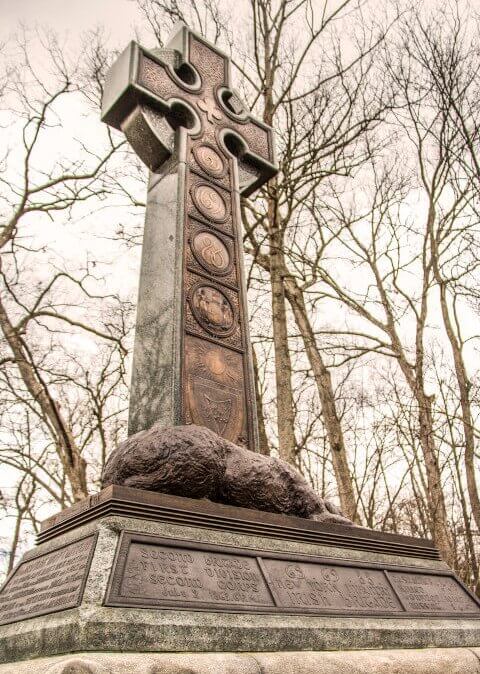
(118,16)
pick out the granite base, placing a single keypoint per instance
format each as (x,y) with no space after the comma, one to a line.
(97,624)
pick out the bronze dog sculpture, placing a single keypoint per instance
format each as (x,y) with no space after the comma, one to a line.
(195,462)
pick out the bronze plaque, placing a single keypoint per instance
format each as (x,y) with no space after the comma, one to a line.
(214,392)
(210,160)
(335,588)
(428,593)
(211,252)
(210,202)
(48,583)
(213,310)
(159,574)
(153,572)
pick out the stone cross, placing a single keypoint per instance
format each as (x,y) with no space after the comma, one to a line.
(192,360)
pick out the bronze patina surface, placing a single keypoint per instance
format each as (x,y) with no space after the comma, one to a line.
(153,572)
(193,461)
(47,583)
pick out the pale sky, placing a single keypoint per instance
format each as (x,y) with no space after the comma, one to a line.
(118,16)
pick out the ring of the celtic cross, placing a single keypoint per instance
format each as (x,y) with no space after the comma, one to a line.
(231,105)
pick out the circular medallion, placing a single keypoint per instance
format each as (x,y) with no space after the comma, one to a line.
(210,203)
(211,252)
(209,160)
(213,310)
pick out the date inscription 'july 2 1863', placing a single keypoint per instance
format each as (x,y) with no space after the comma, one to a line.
(152,572)
(47,583)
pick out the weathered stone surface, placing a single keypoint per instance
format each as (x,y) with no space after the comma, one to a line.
(80,665)
(196,462)
(94,627)
(427,661)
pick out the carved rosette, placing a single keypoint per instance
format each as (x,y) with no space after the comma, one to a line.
(210,160)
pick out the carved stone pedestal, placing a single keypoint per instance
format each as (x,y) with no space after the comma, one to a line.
(142,575)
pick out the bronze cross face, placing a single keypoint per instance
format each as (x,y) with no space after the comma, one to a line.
(192,358)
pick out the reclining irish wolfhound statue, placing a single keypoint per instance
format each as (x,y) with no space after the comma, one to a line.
(195,462)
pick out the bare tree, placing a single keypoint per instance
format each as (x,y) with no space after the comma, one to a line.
(447,58)
(46,298)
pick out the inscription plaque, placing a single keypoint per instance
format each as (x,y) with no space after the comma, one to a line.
(436,594)
(157,572)
(48,583)
(339,588)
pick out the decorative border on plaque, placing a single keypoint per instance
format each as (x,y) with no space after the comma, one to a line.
(34,588)
(154,572)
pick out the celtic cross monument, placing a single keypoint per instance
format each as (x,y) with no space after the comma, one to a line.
(197,554)
(192,357)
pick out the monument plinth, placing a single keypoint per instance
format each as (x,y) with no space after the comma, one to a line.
(257,574)
(130,571)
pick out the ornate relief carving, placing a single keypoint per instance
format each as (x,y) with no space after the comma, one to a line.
(213,310)
(212,113)
(210,202)
(155,77)
(211,65)
(214,388)
(215,407)
(211,252)
(256,137)
(209,160)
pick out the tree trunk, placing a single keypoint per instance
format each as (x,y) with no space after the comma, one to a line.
(263,446)
(327,400)
(283,364)
(436,500)
(464,388)
(67,450)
